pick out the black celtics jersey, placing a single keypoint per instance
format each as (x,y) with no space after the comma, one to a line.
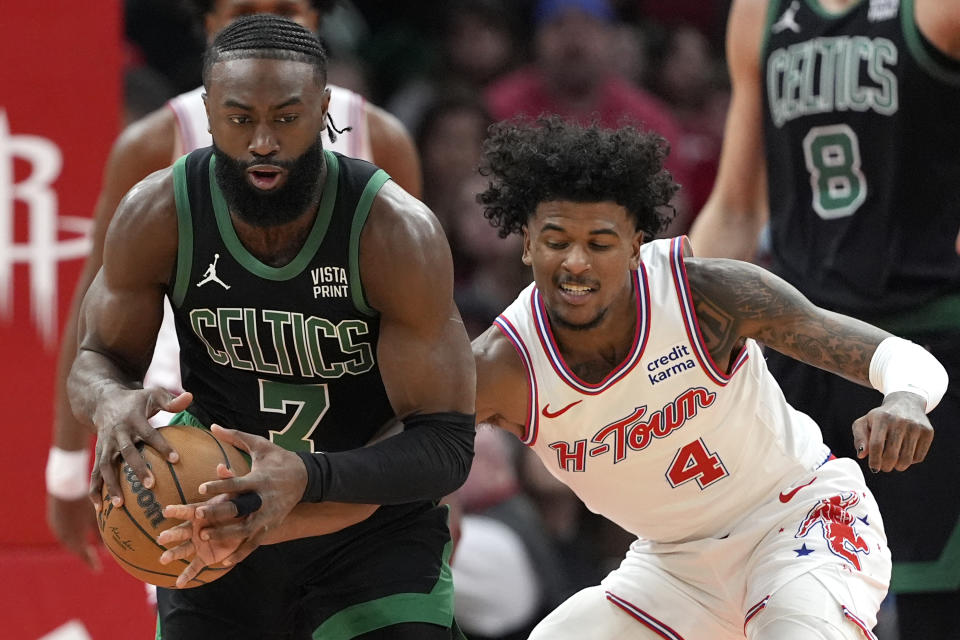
(287,353)
(862,134)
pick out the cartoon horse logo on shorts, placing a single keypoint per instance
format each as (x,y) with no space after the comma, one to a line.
(832,513)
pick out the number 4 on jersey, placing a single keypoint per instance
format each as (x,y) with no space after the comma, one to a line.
(695,462)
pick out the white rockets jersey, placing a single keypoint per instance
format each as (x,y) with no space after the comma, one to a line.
(347,109)
(667,446)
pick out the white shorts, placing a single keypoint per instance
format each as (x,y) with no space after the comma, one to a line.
(827,524)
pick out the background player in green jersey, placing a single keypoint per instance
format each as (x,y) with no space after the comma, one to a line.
(148,145)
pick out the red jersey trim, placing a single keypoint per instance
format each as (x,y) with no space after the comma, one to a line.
(642,333)
(752,611)
(691,323)
(860,623)
(644,618)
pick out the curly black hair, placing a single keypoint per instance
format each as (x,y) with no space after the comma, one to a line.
(533,161)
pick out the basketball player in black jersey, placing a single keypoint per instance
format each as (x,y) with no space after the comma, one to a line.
(313,302)
(150,144)
(859,143)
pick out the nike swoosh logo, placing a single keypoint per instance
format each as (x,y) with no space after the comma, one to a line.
(553,414)
(788,496)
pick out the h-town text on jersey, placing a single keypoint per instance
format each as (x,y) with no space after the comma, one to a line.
(633,432)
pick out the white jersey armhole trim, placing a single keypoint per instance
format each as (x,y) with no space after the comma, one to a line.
(530,428)
(680,248)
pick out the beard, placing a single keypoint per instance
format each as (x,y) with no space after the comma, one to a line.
(278,206)
(573,326)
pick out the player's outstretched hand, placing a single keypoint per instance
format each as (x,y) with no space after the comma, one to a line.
(72,522)
(276,475)
(210,533)
(896,434)
(122,423)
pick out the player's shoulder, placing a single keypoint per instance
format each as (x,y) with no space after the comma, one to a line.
(748,18)
(718,269)
(726,284)
(502,381)
(147,141)
(388,135)
(751,7)
(382,122)
(745,36)
(399,223)
(405,260)
(393,149)
(149,206)
(376,116)
(494,350)
(141,240)
(939,22)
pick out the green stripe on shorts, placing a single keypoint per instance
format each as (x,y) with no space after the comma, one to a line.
(435,607)
(187,418)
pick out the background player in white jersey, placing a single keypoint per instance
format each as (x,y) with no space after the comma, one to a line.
(149,145)
(633,371)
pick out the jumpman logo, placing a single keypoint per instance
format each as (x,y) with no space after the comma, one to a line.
(211,274)
(788,19)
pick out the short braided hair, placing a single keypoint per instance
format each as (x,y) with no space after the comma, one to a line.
(266,36)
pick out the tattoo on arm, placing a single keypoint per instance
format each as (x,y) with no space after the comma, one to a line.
(736,300)
(718,329)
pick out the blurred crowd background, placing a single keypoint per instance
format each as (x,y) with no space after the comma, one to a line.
(447,70)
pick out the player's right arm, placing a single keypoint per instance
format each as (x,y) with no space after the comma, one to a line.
(502,385)
(735,300)
(119,319)
(736,211)
(144,147)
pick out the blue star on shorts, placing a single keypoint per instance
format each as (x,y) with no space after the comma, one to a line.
(803,551)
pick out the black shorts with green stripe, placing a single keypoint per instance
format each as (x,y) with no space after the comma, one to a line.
(392,569)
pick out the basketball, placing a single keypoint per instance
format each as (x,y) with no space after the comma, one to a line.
(130,531)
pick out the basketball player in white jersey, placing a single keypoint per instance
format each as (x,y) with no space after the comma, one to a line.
(151,144)
(634,372)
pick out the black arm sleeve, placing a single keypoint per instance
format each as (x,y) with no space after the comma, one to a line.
(428,460)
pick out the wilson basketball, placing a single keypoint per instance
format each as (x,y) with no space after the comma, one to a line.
(130,531)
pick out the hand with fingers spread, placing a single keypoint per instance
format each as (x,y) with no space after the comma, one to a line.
(216,530)
(896,434)
(195,540)
(121,421)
